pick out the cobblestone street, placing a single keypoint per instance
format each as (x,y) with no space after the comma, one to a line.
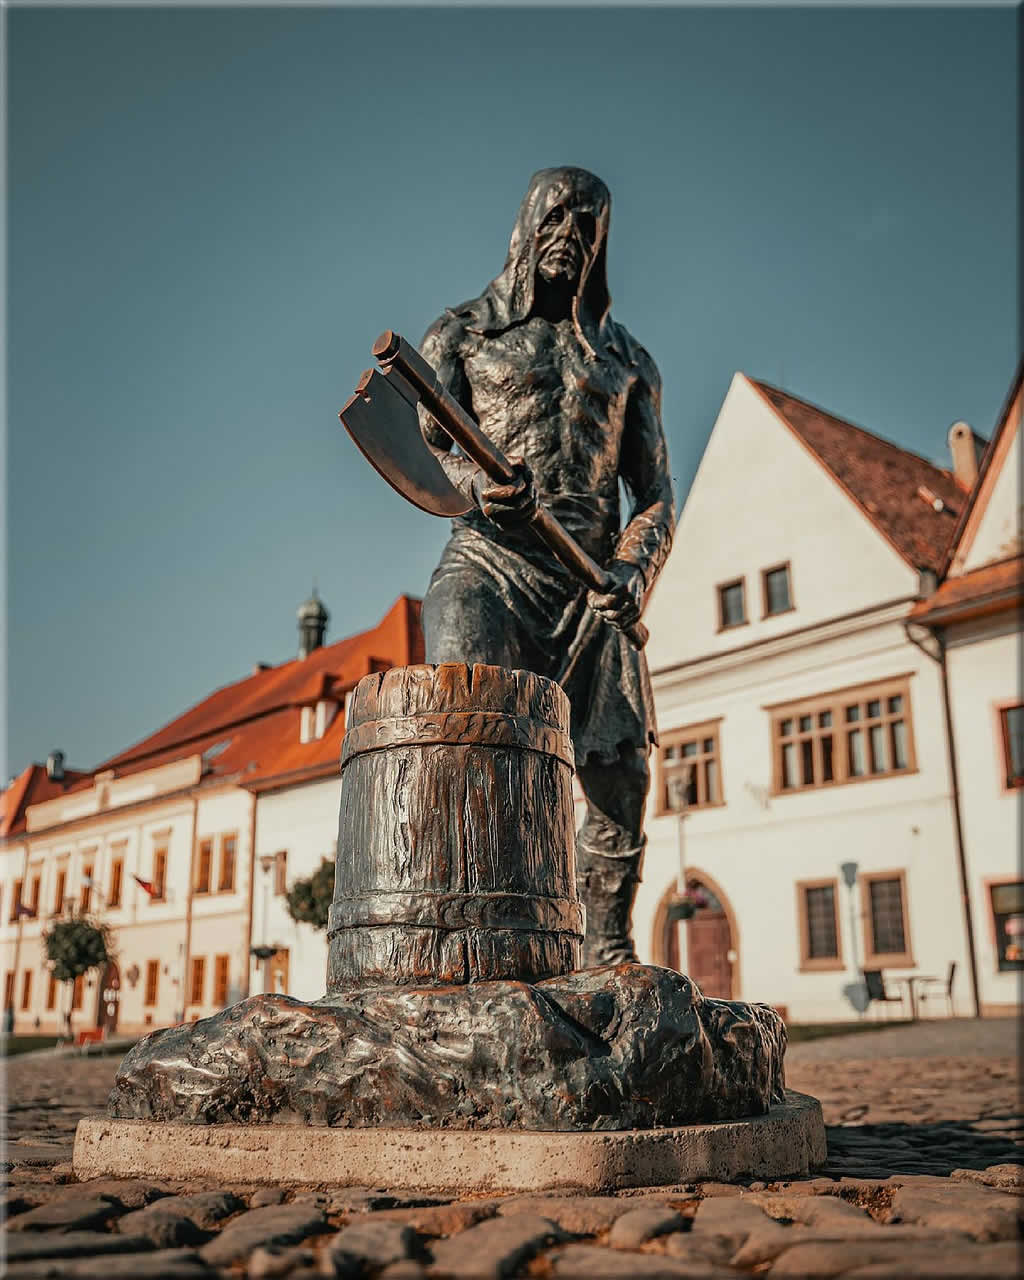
(923,1178)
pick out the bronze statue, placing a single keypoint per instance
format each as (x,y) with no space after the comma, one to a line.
(556,384)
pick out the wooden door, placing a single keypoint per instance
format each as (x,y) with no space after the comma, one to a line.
(708,942)
(279,972)
(108,999)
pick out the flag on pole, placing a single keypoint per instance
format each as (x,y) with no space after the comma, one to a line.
(145,884)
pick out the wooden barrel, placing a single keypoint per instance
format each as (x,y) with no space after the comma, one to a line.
(456,838)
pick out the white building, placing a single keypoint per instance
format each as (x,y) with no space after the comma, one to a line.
(975,618)
(803,728)
(186,843)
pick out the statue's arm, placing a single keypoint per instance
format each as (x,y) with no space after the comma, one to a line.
(441,346)
(647,538)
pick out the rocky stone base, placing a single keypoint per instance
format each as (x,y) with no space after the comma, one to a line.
(789,1141)
(616,1048)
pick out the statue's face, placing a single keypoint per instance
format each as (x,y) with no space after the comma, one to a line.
(566,238)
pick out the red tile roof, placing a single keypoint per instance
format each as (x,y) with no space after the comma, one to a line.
(251,728)
(31,786)
(885,481)
(993,588)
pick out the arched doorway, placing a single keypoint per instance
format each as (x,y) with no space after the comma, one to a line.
(712,938)
(108,999)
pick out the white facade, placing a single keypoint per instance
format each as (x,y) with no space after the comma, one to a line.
(762,500)
(977,614)
(301,823)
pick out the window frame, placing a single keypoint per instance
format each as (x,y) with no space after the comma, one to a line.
(60,890)
(197,980)
(836,702)
(885,959)
(18,890)
(720,590)
(160,858)
(818,964)
(1010,781)
(281,873)
(151,990)
(85,890)
(204,849)
(116,882)
(221,980)
(663,768)
(51,992)
(26,990)
(787,566)
(222,841)
(1011,966)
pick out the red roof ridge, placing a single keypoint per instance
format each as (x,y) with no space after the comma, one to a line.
(854,426)
(881,478)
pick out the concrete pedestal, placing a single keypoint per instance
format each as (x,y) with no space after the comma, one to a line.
(788,1141)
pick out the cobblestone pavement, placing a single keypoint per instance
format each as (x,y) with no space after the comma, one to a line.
(924,1178)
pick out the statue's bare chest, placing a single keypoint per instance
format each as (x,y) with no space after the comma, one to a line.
(534,394)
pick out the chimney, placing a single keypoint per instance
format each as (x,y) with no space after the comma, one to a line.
(55,766)
(313,618)
(966,449)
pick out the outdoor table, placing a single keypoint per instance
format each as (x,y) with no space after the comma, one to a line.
(909,980)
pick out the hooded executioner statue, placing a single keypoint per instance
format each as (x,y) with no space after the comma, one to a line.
(574,401)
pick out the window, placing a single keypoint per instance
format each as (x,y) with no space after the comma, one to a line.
(203,868)
(840,737)
(1012,722)
(220,981)
(116,876)
(281,873)
(198,980)
(51,994)
(777,597)
(9,989)
(16,901)
(26,989)
(732,609)
(78,993)
(1008,919)
(159,893)
(36,886)
(818,913)
(58,897)
(886,927)
(689,775)
(228,847)
(152,983)
(86,886)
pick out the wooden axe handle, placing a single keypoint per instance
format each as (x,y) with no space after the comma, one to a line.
(392,351)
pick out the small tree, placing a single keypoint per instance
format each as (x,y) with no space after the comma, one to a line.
(309,900)
(73,947)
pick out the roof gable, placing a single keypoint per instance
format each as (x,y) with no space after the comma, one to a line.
(894,488)
(990,526)
(32,786)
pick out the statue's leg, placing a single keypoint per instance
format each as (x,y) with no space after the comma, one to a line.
(609,853)
(466,620)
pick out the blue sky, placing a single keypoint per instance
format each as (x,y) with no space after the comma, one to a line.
(212,213)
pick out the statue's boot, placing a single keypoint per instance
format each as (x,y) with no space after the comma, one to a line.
(607,886)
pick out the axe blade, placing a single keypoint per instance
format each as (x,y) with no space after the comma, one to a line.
(386,429)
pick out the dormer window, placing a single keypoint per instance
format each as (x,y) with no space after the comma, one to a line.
(778,597)
(316,719)
(325,711)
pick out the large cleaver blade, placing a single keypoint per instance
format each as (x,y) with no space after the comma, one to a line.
(386,429)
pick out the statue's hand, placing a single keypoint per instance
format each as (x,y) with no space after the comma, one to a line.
(508,505)
(621,605)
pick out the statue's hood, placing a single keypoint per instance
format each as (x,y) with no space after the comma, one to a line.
(508,299)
